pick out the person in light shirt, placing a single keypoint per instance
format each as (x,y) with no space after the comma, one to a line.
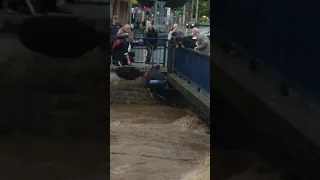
(203,42)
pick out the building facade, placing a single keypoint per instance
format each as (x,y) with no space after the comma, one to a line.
(121,8)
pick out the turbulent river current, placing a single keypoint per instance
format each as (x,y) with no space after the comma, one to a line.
(156,142)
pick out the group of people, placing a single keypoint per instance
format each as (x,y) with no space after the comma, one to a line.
(122,55)
(155,80)
(202,43)
(122,45)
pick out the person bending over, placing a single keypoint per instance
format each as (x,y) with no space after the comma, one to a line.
(179,41)
(122,51)
(183,42)
(155,81)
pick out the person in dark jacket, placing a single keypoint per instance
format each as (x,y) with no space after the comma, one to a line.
(115,26)
(151,34)
(122,51)
(155,81)
(183,41)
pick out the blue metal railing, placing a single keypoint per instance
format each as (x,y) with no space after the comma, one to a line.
(159,52)
(194,67)
(284,39)
(295,66)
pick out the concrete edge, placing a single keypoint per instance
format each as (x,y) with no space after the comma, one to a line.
(142,69)
(199,100)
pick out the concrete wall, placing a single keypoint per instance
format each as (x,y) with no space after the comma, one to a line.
(133,92)
(128,92)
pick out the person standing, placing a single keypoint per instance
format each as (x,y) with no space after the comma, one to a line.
(115,26)
(203,42)
(174,29)
(150,34)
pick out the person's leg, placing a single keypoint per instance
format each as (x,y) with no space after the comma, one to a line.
(123,61)
(111,54)
(149,54)
(132,56)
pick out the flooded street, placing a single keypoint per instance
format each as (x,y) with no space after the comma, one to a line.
(156,142)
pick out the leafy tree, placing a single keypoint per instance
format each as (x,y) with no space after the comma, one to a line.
(169,3)
(175,3)
(204,8)
(148,3)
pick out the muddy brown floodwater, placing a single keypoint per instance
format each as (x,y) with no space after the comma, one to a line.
(157,143)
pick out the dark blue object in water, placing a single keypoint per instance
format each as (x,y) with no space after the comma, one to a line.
(129,73)
(59,37)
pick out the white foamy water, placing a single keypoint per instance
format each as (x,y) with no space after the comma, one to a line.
(202,172)
(155,142)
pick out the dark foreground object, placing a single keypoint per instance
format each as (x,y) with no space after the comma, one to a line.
(129,73)
(58,37)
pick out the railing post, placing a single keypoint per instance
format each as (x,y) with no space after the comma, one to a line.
(170,56)
(164,53)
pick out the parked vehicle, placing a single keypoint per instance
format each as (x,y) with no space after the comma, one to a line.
(192,24)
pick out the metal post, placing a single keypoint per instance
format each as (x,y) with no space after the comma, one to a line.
(156,10)
(130,13)
(191,10)
(197,9)
(184,15)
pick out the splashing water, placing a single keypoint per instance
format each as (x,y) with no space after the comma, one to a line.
(155,142)
(202,172)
